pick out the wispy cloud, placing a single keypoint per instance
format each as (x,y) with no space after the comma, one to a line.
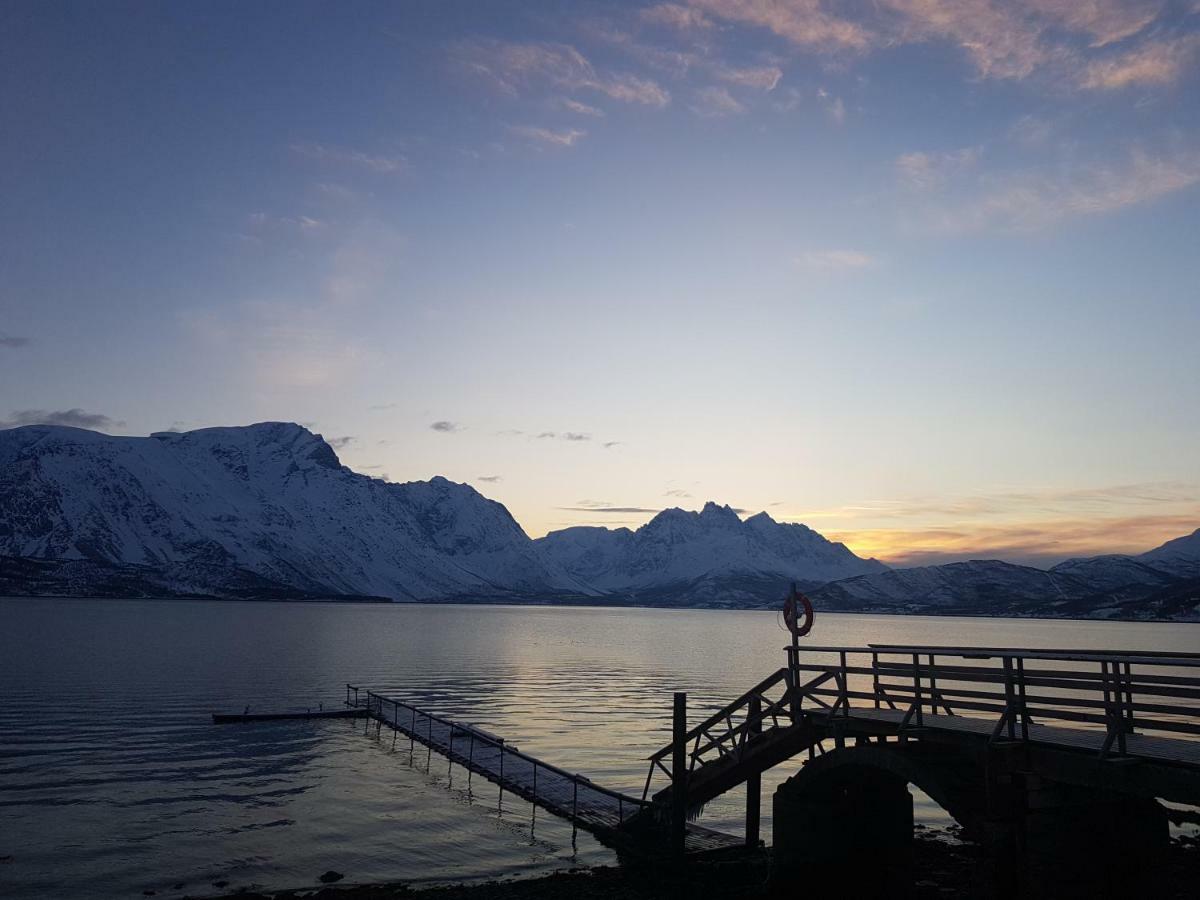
(608,445)
(1002,40)
(576,436)
(608,510)
(678,492)
(73,418)
(715,101)
(382,164)
(446,427)
(1031,200)
(924,171)
(583,109)
(1156,62)
(490,479)
(1101,501)
(512,68)
(380,406)
(801,22)
(1041,542)
(259,223)
(12,341)
(764,78)
(548,137)
(673,15)
(341,443)
(836,259)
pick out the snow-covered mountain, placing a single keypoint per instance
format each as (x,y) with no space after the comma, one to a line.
(1180,557)
(268,510)
(978,584)
(1162,583)
(711,557)
(1106,573)
(271,500)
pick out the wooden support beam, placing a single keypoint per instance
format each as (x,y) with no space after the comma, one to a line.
(754,781)
(679,774)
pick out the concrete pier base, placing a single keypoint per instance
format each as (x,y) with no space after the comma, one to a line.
(849,828)
(1057,840)
(856,830)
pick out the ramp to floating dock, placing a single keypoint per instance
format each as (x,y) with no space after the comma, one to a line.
(606,813)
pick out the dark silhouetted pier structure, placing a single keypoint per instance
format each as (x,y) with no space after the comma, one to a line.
(1054,761)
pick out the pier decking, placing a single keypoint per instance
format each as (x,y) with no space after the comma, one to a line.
(608,814)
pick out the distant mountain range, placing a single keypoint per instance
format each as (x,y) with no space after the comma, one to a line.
(268,511)
(709,558)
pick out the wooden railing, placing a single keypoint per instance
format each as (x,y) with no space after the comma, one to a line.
(762,709)
(1114,695)
(1123,693)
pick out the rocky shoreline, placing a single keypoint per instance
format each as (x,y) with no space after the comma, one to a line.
(942,868)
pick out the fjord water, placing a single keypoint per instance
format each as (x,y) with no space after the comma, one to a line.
(113,781)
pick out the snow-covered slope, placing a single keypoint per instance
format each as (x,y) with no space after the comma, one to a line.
(1180,557)
(271,499)
(981,585)
(1159,584)
(1106,573)
(707,558)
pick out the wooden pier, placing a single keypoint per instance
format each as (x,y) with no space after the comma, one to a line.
(1054,760)
(610,815)
(1092,712)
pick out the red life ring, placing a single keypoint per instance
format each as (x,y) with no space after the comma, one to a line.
(795,599)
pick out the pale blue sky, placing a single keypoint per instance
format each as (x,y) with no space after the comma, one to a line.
(921,274)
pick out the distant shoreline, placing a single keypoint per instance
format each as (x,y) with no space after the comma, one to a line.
(592,603)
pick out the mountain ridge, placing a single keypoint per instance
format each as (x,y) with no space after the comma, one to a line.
(271,498)
(712,556)
(268,510)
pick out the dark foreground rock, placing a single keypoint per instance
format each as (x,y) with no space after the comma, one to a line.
(943,869)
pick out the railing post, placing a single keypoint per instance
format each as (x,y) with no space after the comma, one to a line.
(1128,704)
(793,655)
(1021,698)
(933,694)
(845,687)
(679,773)
(754,781)
(500,798)
(1010,699)
(875,678)
(920,700)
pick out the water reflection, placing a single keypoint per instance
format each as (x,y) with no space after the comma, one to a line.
(113,781)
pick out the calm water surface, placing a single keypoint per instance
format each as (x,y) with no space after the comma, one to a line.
(112,780)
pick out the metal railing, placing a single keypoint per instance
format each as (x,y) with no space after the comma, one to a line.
(563,793)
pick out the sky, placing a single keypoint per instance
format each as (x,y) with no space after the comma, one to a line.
(920,274)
